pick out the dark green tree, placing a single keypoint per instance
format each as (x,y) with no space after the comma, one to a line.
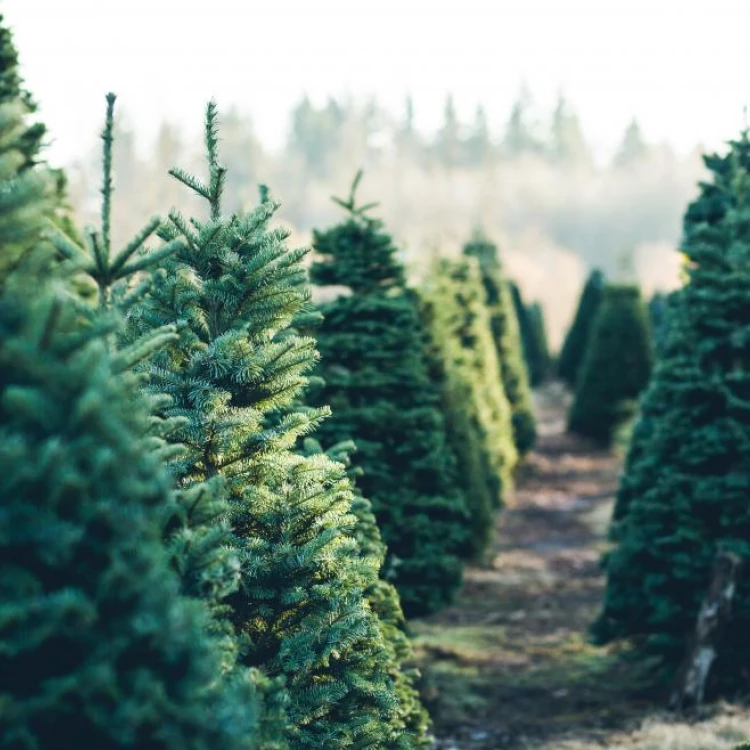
(96,640)
(540,354)
(30,137)
(533,337)
(507,334)
(477,411)
(684,496)
(376,379)
(617,365)
(236,376)
(576,341)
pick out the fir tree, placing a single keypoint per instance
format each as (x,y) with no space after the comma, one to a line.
(533,337)
(617,365)
(24,207)
(466,367)
(540,354)
(507,334)
(235,376)
(96,641)
(574,346)
(376,379)
(29,137)
(687,482)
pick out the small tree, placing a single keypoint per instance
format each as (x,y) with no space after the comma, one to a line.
(477,411)
(574,347)
(375,376)
(533,337)
(235,376)
(617,365)
(685,491)
(506,330)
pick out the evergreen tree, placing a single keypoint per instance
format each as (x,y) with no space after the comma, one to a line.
(617,365)
(30,137)
(479,147)
(477,411)
(520,136)
(533,337)
(568,144)
(684,496)
(376,379)
(507,334)
(633,147)
(576,342)
(540,354)
(235,376)
(449,146)
(96,641)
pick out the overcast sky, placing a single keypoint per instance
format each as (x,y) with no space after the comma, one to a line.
(681,66)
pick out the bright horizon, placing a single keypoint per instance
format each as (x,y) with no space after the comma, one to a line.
(678,67)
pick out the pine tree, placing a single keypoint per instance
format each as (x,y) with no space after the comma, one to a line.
(30,137)
(477,411)
(376,379)
(533,337)
(235,376)
(574,346)
(617,365)
(539,342)
(96,641)
(688,481)
(507,334)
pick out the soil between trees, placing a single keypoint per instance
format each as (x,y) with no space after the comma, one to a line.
(510,665)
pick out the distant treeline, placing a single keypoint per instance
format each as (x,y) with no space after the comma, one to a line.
(534,187)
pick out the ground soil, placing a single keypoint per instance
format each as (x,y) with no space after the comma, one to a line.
(510,664)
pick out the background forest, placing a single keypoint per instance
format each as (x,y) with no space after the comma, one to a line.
(534,185)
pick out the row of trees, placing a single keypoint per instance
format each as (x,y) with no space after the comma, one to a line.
(191,556)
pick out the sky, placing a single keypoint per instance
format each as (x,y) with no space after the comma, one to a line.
(679,66)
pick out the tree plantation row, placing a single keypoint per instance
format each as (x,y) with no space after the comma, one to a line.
(218,498)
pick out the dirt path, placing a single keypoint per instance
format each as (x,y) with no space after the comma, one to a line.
(509,665)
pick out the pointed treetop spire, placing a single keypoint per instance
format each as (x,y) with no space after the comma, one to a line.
(350,204)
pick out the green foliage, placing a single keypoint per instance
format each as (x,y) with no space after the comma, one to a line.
(507,334)
(96,642)
(617,365)
(477,411)
(29,138)
(375,377)
(657,310)
(574,347)
(533,337)
(685,492)
(235,377)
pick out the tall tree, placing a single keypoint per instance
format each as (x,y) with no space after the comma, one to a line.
(633,147)
(684,496)
(96,640)
(449,145)
(477,411)
(479,147)
(376,379)
(507,334)
(235,376)
(617,365)
(520,136)
(576,341)
(568,145)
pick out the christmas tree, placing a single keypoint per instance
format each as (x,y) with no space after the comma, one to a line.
(466,367)
(574,347)
(533,337)
(506,330)
(687,483)
(376,379)
(617,365)
(235,376)
(96,641)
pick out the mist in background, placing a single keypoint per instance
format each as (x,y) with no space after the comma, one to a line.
(535,187)
(311,91)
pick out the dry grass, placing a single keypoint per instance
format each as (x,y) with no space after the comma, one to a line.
(723,731)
